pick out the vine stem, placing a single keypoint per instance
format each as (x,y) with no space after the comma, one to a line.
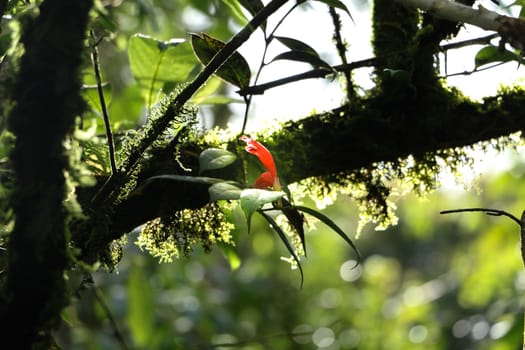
(267,40)
(105,115)
(497,212)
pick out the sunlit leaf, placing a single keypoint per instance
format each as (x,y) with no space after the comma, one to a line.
(328,222)
(236,11)
(141,310)
(286,242)
(224,191)
(215,158)
(493,54)
(231,256)
(92,97)
(253,199)
(207,95)
(235,70)
(305,57)
(155,63)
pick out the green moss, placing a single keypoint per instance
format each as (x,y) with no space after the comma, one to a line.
(175,235)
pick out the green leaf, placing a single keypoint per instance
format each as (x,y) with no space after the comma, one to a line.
(296,221)
(492,54)
(235,70)
(215,158)
(296,45)
(327,221)
(286,242)
(224,191)
(231,256)
(253,199)
(303,56)
(236,10)
(155,63)
(337,4)
(253,7)
(91,96)
(140,307)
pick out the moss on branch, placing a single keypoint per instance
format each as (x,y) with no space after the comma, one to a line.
(46,96)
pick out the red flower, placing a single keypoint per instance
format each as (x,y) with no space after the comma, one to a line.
(268,179)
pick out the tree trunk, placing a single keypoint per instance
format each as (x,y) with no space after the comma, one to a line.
(46,96)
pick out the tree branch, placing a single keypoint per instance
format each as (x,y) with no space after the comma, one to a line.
(512,30)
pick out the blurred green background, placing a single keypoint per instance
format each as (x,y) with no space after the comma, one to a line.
(431,282)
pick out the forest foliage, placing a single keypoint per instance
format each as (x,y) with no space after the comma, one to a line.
(113,184)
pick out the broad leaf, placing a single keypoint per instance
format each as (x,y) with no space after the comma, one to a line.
(493,54)
(305,57)
(224,191)
(215,158)
(155,63)
(286,242)
(235,70)
(296,45)
(206,94)
(327,221)
(253,199)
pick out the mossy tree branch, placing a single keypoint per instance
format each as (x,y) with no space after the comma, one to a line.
(46,96)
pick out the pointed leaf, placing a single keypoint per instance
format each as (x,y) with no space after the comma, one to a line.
(236,11)
(235,70)
(231,255)
(215,158)
(492,54)
(327,221)
(253,199)
(337,4)
(303,56)
(296,220)
(296,45)
(224,191)
(286,242)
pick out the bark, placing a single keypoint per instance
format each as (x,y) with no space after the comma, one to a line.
(46,96)
(512,30)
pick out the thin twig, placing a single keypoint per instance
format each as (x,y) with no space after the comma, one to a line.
(105,115)
(116,331)
(488,211)
(369,62)
(267,40)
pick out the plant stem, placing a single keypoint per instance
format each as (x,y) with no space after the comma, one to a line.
(105,115)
